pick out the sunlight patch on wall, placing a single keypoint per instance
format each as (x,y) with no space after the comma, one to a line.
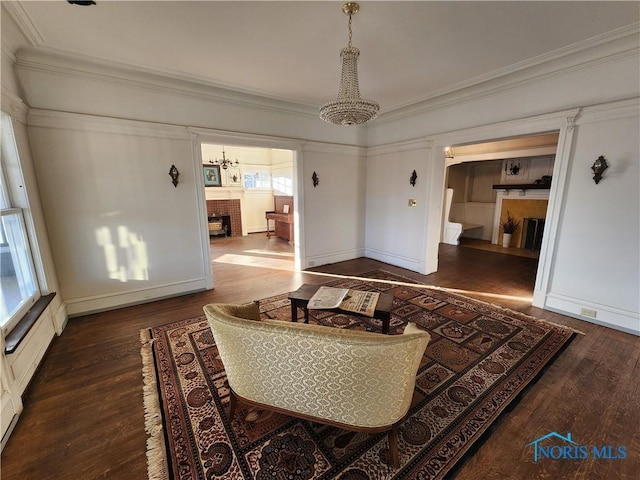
(128,259)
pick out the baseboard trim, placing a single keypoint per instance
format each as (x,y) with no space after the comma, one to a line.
(88,305)
(606,316)
(412,264)
(335,257)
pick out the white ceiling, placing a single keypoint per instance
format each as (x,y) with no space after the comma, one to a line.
(410,51)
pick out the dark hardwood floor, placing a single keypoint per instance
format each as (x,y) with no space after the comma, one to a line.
(83,416)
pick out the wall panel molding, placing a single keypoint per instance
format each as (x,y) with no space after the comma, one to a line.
(94,123)
(13,106)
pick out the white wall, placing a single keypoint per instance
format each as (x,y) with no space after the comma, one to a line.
(120,231)
(333,213)
(257,202)
(395,231)
(597,262)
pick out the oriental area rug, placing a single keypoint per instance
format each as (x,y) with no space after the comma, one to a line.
(479,360)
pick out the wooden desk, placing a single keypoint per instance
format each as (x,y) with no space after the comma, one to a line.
(300,298)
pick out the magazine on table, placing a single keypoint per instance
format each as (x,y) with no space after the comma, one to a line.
(357,301)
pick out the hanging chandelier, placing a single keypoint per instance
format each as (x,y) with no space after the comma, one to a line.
(225,162)
(349,108)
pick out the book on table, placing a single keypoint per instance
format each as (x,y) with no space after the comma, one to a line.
(357,301)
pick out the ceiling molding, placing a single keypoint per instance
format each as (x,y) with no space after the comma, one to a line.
(22,19)
(45,59)
(608,47)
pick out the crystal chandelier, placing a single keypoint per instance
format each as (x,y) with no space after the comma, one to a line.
(225,162)
(349,108)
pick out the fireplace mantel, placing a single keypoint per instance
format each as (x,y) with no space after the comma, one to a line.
(224,193)
(522,186)
(523,194)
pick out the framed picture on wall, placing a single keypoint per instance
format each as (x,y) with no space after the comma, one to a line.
(234,177)
(212,176)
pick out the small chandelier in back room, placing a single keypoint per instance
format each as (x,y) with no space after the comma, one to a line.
(225,162)
(349,108)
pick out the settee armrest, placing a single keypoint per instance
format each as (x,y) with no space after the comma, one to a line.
(247,311)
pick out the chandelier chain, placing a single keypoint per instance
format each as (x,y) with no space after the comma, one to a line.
(350,33)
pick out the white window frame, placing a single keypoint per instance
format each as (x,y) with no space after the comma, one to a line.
(261,173)
(24,257)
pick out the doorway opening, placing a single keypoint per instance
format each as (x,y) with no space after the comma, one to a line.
(486,183)
(241,185)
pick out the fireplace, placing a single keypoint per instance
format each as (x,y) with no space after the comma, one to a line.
(221,208)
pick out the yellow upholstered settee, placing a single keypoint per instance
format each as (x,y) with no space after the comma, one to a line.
(350,379)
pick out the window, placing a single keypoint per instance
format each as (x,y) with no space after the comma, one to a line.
(257,180)
(20,288)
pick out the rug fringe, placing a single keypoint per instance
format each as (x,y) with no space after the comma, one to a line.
(157,468)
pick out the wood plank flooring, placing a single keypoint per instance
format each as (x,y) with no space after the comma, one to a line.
(84,420)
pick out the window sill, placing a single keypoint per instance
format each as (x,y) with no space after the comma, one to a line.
(20,331)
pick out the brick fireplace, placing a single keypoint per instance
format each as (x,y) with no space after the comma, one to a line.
(227,207)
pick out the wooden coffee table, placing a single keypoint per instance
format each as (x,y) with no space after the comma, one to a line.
(300,299)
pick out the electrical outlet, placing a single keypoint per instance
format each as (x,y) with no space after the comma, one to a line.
(587,312)
(412,202)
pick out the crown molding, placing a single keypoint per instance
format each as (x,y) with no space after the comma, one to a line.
(611,46)
(21,18)
(13,105)
(57,62)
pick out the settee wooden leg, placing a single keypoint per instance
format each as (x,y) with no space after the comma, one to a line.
(393,447)
(233,402)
